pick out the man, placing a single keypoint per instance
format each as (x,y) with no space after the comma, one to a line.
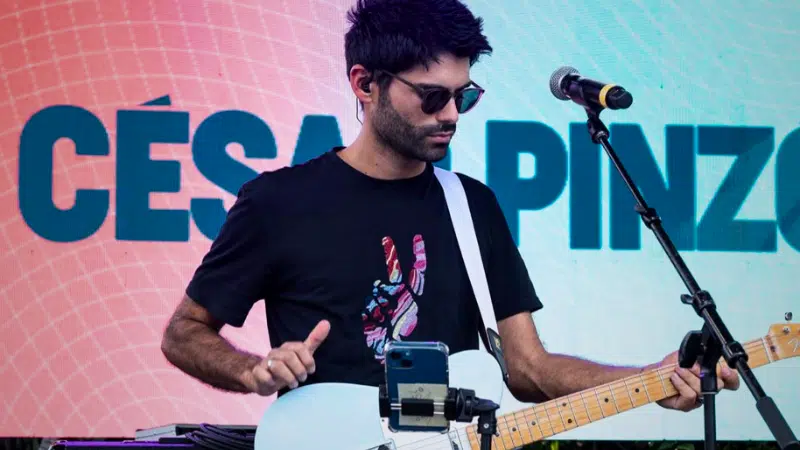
(355,248)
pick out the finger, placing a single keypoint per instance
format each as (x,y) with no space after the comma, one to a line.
(417,277)
(392,264)
(691,378)
(697,372)
(720,381)
(294,364)
(264,383)
(730,377)
(695,369)
(282,375)
(303,353)
(688,396)
(317,336)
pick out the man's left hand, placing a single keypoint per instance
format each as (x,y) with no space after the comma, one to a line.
(687,382)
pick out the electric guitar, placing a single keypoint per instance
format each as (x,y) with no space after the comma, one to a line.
(334,416)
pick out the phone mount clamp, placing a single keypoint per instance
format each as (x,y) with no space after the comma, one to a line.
(460,405)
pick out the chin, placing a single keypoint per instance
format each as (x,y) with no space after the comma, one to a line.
(434,153)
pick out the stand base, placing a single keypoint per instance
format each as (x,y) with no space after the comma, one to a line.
(777,424)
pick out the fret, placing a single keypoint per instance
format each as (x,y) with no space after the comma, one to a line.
(579,412)
(586,408)
(601,403)
(645,387)
(607,403)
(652,387)
(622,404)
(474,439)
(628,391)
(635,392)
(535,426)
(522,427)
(562,418)
(525,434)
(567,417)
(576,417)
(543,420)
(499,443)
(593,406)
(508,434)
(663,386)
(556,416)
(669,387)
(766,349)
(560,421)
(547,421)
(760,357)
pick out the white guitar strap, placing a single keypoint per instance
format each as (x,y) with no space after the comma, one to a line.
(460,215)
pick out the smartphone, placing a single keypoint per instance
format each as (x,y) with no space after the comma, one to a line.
(417,370)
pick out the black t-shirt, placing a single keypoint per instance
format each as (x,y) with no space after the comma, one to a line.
(378,259)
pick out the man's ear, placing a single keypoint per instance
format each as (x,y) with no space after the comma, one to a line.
(361,83)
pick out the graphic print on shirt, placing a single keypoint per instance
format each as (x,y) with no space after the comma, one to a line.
(391,310)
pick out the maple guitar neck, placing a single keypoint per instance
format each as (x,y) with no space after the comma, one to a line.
(556,416)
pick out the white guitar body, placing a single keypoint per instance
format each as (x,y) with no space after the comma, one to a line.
(334,416)
(347,417)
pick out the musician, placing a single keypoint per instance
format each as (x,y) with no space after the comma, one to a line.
(356,248)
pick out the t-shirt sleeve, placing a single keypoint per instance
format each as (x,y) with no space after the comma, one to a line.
(509,282)
(232,275)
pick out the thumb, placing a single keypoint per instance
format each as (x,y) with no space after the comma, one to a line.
(318,335)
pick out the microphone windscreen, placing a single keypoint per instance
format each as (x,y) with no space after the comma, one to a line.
(557,77)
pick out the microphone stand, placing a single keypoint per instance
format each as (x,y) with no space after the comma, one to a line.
(714,340)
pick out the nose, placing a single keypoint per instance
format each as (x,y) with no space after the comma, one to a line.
(448,114)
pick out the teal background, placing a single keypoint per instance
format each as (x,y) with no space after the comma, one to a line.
(685,62)
(128,127)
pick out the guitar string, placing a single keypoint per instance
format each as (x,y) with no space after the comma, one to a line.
(535,411)
(507,427)
(507,430)
(503,425)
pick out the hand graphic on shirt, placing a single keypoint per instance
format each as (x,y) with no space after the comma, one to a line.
(391,311)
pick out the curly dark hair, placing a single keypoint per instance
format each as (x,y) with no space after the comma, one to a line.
(396,35)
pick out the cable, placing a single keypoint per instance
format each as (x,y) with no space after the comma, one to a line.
(215,438)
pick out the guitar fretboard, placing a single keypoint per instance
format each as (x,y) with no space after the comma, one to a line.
(582,408)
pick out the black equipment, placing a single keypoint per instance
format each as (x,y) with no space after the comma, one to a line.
(713,341)
(176,436)
(461,405)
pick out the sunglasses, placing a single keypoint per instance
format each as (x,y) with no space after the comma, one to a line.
(435,98)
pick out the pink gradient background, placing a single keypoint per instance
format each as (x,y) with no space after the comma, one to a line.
(80,323)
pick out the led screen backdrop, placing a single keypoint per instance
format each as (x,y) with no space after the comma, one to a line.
(126,127)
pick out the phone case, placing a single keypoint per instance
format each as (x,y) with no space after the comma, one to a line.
(417,370)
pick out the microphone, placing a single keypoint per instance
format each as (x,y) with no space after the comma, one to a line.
(567,84)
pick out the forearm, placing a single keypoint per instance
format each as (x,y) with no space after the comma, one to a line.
(555,375)
(202,353)
(563,375)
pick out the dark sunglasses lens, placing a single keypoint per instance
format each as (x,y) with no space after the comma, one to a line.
(467,99)
(435,100)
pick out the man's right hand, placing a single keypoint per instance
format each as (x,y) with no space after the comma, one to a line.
(288,365)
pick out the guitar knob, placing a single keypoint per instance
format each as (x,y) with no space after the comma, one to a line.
(788,316)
